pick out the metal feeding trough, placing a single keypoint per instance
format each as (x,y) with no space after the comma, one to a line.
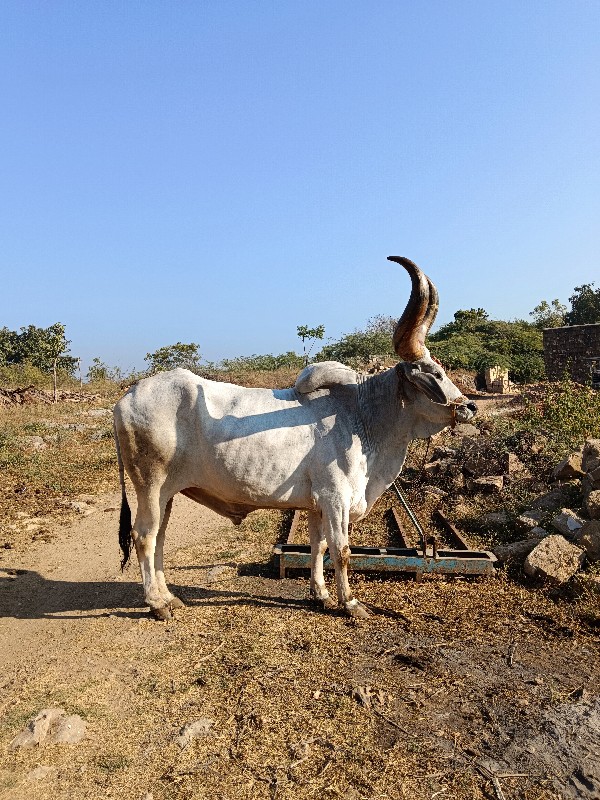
(425,557)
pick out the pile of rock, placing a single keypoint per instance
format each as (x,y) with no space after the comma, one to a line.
(557,540)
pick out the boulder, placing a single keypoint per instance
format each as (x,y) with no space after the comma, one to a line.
(567,523)
(529,519)
(569,468)
(516,551)
(550,501)
(490,484)
(554,559)
(590,459)
(588,538)
(592,504)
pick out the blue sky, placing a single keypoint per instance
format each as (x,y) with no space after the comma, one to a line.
(221,172)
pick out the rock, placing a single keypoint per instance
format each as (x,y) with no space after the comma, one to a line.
(491,484)
(593,478)
(550,501)
(34,442)
(68,730)
(554,559)
(592,504)
(41,772)
(194,730)
(443,452)
(516,551)
(590,459)
(83,508)
(513,466)
(569,468)
(465,429)
(567,522)
(100,412)
(37,728)
(432,468)
(51,726)
(588,538)
(528,520)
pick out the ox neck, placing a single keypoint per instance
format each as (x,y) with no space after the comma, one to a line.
(381,410)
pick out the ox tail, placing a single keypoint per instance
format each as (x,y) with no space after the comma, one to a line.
(125,538)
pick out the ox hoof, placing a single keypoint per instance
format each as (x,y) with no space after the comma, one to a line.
(326,602)
(163,613)
(175,602)
(356,610)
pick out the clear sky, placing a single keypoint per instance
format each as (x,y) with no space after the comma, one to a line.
(221,171)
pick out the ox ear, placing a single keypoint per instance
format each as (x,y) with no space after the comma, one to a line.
(423,381)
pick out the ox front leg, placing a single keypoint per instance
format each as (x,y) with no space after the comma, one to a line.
(145,530)
(318,545)
(335,528)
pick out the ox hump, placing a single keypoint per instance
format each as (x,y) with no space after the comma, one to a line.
(324,375)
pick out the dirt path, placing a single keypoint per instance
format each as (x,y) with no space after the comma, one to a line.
(451,685)
(53,586)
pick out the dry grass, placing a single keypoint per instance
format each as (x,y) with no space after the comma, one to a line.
(303,704)
(49,456)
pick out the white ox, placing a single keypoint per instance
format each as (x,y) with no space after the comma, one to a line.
(331,445)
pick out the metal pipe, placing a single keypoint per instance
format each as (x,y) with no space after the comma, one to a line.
(411,516)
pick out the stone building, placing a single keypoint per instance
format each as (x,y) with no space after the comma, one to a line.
(572,350)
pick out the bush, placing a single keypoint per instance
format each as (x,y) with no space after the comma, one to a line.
(567,413)
(259,363)
(474,342)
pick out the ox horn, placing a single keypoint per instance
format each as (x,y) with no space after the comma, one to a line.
(419,314)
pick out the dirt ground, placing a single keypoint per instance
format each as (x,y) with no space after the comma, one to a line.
(454,688)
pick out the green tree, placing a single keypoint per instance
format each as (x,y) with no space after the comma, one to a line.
(359,347)
(311,334)
(44,348)
(174,355)
(585,306)
(473,341)
(8,346)
(549,315)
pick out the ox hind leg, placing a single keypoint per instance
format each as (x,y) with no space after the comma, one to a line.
(318,545)
(170,599)
(335,529)
(149,520)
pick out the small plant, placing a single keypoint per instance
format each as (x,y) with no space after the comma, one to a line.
(311,334)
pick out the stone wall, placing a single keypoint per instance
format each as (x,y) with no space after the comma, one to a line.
(566,350)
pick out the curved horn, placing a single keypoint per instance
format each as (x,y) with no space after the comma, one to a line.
(434,304)
(419,314)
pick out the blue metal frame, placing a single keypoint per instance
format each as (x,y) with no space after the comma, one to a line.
(393,559)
